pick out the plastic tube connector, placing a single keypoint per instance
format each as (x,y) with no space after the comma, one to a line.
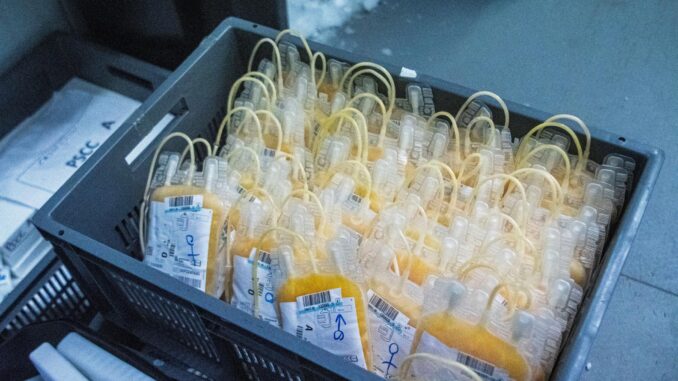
(459,228)
(287,260)
(172,166)
(559,293)
(210,166)
(522,325)
(449,248)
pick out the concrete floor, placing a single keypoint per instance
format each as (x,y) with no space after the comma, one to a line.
(614,64)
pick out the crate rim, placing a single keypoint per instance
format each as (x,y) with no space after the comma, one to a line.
(572,358)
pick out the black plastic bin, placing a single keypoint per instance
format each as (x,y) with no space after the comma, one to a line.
(16,364)
(49,292)
(93,223)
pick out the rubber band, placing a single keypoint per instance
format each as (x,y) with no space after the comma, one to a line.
(309,53)
(270,98)
(316,200)
(455,129)
(390,91)
(386,75)
(582,125)
(380,103)
(490,301)
(282,154)
(473,123)
(565,182)
(320,81)
(207,144)
(505,177)
(276,60)
(276,122)
(361,167)
(455,184)
(344,113)
(253,154)
(487,94)
(441,185)
(149,179)
(557,195)
(484,248)
(227,121)
(470,266)
(524,141)
(263,78)
(464,164)
(354,113)
(404,276)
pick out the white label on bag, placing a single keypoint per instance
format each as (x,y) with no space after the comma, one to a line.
(328,321)
(484,369)
(179,235)
(390,333)
(243,293)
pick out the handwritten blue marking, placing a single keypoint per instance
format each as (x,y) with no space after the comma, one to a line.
(339,334)
(192,254)
(392,350)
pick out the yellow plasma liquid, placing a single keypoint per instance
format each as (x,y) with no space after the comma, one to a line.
(210,201)
(374,153)
(420,269)
(313,283)
(477,341)
(578,272)
(377,202)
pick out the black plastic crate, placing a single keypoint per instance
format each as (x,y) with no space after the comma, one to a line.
(98,240)
(16,364)
(49,292)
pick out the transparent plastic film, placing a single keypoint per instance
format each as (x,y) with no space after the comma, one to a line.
(254,213)
(446,334)
(185,222)
(351,184)
(324,303)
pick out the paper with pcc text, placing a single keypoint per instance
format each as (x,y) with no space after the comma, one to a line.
(390,333)
(178,243)
(40,154)
(243,293)
(328,321)
(484,369)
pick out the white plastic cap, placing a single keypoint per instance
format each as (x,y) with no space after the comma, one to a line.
(287,260)
(522,325)
(559,293)
(171,169)
(593,193)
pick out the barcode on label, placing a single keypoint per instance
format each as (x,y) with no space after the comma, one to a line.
(317,298)
(189,281)
(180,201)
(300,332)
(384,307)
(475,364)
(265,257)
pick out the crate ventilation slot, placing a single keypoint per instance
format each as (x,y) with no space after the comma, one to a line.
(163,313)
(253,363)
(60,297)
